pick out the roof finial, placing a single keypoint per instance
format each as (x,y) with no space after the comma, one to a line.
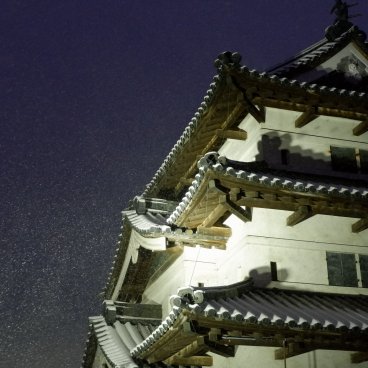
(341,10)
(341,23)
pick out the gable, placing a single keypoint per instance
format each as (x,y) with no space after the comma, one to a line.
(348,68)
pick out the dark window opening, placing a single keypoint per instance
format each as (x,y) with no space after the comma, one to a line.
(273,266)
(285,156)
(363,261)
(342,269)
(363,159)
(344,159)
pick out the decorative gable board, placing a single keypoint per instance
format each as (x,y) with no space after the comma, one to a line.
(348,66)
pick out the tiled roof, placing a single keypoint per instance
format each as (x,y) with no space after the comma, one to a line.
(248,172)
(117,339)
(318,53)
(150,222)
(229,64)
(120,330)
(246,305)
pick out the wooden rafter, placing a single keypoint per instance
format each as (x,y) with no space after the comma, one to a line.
(310,114)
(258,113)
(238,134)
(301,214)
(360,225)
(243,214)
(361,128)
(213,217)
(195,347)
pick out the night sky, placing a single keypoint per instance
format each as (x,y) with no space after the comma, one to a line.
(93,96)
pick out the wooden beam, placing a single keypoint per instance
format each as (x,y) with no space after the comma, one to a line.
(301,214)
(359,357)
(212,218)
(258,113)
(361,128)
(214,231)
(244,215)
(201,360)
(360,225)
(139,310)
(306,117)
(225,351)
(232,134)
(292,349)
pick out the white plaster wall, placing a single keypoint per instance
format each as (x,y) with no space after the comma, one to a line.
(248,150)
(309,146)
(262,357)
(196,265)
(299,251)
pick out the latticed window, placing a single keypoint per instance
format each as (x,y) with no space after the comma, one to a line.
(350,160)
(347,269)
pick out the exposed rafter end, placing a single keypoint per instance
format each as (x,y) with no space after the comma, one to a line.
(306,117)
(361,128)
(292,349)
(301,214)
(360,225)
(359,357)
(232,134)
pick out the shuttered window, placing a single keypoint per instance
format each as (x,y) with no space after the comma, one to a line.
(344,159)
(363,262)
(342,269)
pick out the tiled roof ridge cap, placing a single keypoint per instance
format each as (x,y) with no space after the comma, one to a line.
(166,324)
(246,170)
(188,132)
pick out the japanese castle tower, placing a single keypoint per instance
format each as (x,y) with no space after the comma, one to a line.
(249,247)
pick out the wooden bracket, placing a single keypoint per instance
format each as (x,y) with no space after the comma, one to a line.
(306,117)
(360,225)
(216,213)
(361,128)
(258,113)
(232,134)
(244,215)
(301,214)
(225,351)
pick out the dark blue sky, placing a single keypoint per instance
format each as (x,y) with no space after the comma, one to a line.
(93,96)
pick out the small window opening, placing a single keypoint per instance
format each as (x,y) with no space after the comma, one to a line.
(273,266)
(285,156)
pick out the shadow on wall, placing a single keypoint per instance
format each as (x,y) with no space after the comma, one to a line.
(279,153)
(263,276)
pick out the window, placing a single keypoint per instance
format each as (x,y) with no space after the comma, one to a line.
(285,156)
(341,269)
(349,160)
(363,262)
(347,269)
